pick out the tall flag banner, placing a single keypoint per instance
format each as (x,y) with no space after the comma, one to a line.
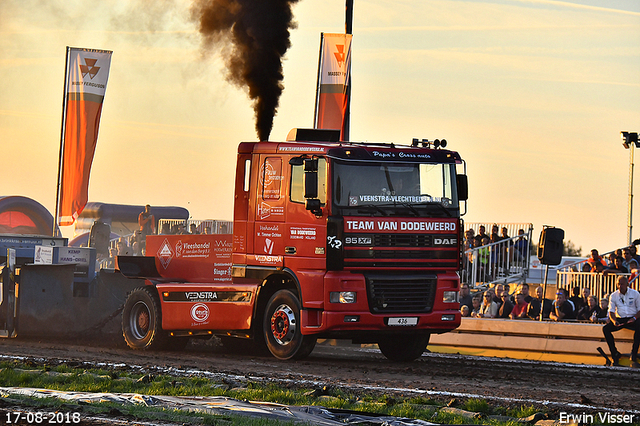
(334,70)
(86,76)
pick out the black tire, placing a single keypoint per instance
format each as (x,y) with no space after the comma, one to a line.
(403,348)
(142,320)
(281,327)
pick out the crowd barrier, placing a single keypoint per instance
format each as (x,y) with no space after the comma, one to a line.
(573,342)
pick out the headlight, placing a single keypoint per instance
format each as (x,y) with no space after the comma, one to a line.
(450,296)
(342,297)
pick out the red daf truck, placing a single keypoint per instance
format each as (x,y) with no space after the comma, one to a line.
(331,239)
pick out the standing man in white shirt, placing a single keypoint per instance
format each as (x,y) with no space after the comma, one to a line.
(624,312)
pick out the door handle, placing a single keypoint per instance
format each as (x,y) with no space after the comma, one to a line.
(290,250)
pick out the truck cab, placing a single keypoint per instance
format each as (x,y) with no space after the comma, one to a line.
(352,240)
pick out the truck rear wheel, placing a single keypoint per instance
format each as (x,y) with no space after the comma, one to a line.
(141,320)
(281,327)
(404,347)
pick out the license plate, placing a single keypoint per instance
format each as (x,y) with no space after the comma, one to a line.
(404,321)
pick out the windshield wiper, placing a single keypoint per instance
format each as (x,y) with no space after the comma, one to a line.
(435,203)
(410,207)
(373,206)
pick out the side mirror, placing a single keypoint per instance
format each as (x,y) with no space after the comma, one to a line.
(296,161)
(310,185)
(463,187)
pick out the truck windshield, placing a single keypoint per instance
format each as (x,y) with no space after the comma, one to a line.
(419,187)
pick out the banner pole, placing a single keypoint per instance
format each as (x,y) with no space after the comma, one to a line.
(347,113)
(315,111)
(64,108)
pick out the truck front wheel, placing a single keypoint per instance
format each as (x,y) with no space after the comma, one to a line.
(141,320)
(403,348)
(281,327)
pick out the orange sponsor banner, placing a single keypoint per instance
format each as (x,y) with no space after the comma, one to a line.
(85,86)
(333,78)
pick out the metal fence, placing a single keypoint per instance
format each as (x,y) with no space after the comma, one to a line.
(175,226)
(601,285)
(504,261)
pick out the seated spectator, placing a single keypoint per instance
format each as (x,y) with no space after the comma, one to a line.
(465,297)
(596,259)
(506,307)
(536,303)
(562,308)
(590,312)
(476,301)
(507,288)
(464,310)
(577,301)
(488,308)
(524,289)
(520,308)
(497,294)
(604,310)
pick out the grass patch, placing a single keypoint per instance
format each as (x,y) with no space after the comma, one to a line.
(70,378)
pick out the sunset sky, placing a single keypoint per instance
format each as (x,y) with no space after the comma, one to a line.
(532,93)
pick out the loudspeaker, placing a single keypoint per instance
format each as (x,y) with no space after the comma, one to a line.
(550,247)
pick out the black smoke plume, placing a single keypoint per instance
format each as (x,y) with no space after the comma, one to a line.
(253,36)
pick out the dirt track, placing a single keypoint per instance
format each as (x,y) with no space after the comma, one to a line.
(559,387)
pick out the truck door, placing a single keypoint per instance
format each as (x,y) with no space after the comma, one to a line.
(306,235)
(269,228)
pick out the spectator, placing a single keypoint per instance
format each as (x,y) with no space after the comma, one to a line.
(193,229)
(122,247)
(147,221)
(166,229)
(617,267)
(624,312)
(524,289)
(634,253)
(507,288)
(506,307)
(604,304)
(519,248)
(465,297)
(590,312)
(578,302)
(497,294)
(534,305)
(489,308)
(483,258)
(494,233)
(464,311)
(520,308)
(111,260)
(481,235)
(562,308)
(596,259)
(476,301)
(207,230)
(629,262)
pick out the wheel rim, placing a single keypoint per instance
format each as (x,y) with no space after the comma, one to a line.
(283,324)
(140,320)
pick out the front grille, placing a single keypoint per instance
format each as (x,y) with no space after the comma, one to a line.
(401,294)
(403,240)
